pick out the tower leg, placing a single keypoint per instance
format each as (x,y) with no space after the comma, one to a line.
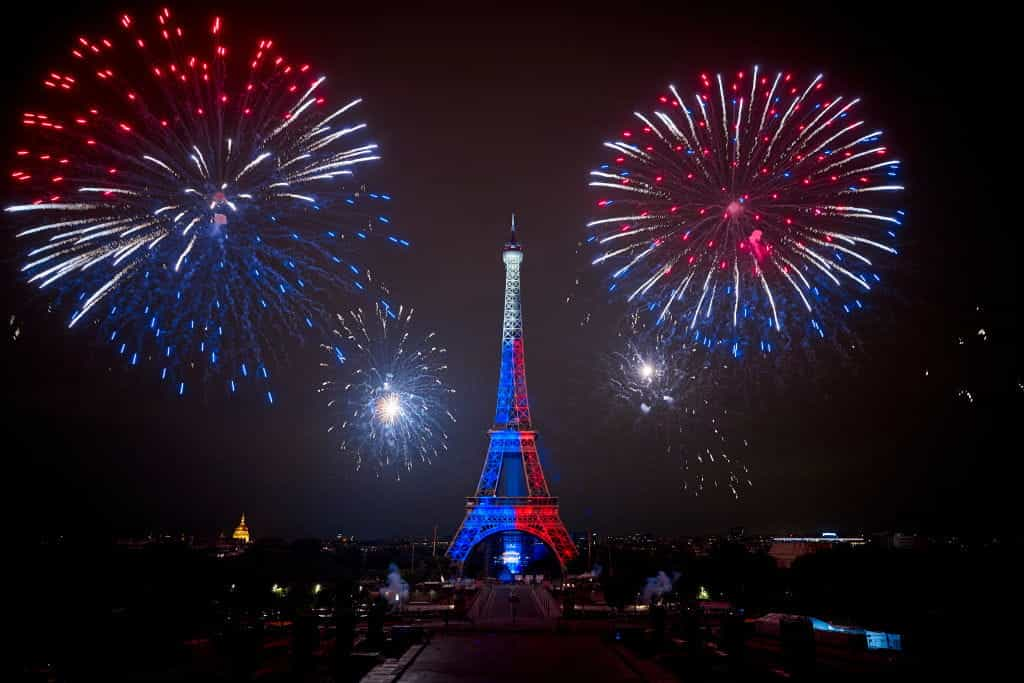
(537,517)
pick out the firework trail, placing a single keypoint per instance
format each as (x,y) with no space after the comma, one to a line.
(193,201)
(388,395)
(747,215)
(711,459)
(672,393)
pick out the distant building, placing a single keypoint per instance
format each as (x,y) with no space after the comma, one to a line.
(757,544)
(584,541)
(241,532)
(785,549)
(902,541)
(897,540)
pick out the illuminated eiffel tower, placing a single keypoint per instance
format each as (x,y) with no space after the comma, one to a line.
(500,504)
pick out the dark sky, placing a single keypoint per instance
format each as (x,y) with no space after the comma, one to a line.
(481,112)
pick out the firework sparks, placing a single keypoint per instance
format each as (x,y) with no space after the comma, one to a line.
(668,389)
(748,213)
(387,393)
(192,200)
(712,461)
(978,365)
(646,377)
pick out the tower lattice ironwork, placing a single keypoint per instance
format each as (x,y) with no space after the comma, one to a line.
(513,493)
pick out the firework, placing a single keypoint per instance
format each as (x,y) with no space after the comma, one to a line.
(749,214)
(387,394)
(977,366)
(671,389)
(191,200)
(711,460)
(648,377)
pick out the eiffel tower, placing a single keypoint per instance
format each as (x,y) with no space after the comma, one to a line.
(500,504)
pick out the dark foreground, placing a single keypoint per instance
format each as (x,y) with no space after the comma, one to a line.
(505,656)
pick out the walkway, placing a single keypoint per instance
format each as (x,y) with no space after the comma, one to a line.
(514,605)
(494,656)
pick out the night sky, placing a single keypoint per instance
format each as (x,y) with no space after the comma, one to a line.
(479,114)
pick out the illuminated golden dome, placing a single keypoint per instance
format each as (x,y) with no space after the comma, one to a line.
(241,531)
